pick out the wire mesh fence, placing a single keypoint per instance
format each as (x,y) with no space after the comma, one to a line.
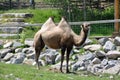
(98,28)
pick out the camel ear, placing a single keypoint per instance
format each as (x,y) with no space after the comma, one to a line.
(82,26)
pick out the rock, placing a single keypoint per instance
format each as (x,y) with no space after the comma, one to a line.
(7,45)
(113,70)
(93,47)
(109,66)
(89,56)
(18,50)
(100,54)
(76,51)
(58,58)
(112,62)
(28,42)
(83,68)
(117,41)
(104,62)
(30,50)
(28,61)
(50,55)
(96,61)
(113,54)
(13,19)
(25,50)
(3,52)
(19,57)
(88,41)
(31,56)
(17,44)
(75,66)
(109,46)
(8,56)
(75,57)
(57,66)
(102,41)
(16,15)
(1,42)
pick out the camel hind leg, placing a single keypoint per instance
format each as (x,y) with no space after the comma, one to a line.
(38,48)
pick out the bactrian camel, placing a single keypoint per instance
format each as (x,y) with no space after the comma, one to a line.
(59,36)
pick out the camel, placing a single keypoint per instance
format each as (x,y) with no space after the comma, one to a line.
(59,36)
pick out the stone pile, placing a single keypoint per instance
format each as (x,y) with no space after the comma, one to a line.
(102,57)
(10,23)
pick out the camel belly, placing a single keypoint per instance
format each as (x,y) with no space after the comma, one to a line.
(54,45)
(51,41)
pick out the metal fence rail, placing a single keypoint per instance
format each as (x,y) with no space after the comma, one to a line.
(101,27)
(71,23)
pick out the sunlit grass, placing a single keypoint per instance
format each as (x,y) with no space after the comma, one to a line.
(25,72)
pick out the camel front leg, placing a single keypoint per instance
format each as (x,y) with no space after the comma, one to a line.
(62,58)
(67,59)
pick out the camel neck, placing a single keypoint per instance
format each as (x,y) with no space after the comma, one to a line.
(80,39)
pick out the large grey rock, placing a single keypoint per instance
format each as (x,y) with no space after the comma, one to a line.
(89,56)
(97,68)
(18,50)
(30,56)
(104,62)
(109,46)
(19,57)
(3,52)
(75,57)
(96,61)
(16,15)
(25,50)
(17,44)
(7,45)
(109,66)
(28,50)
(13,29)
(113,70)
(28,42)
(102,41)
(1,43)
(113,54)
(8,56)
(93,47)
(57,66)
(100,54)
(112,62)
(82,68)
(50,56)
(58,58)
(117,41)
(78,64)
(28,61)
(88,41)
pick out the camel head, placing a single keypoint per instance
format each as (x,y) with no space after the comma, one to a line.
(85,27)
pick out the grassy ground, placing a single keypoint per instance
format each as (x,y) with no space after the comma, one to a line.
(25,72)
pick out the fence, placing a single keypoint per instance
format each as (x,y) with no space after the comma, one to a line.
(98,28)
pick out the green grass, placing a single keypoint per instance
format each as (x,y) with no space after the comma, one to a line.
(25,72)
(40,15)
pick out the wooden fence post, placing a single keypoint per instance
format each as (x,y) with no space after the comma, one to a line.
(116,16)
